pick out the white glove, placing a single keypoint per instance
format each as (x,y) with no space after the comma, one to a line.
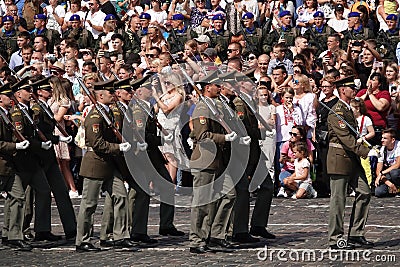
(67,139)
(230,137)
(168,138)
(22,145)
(270,133)
(142,146)
(46,145)
(245,140)
(374,153)
(124,147)
(190,142)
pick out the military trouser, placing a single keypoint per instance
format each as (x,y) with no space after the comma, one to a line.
(90,195)
(61,196)
(28,213)
(37,180)
(139,202)
(337,204)
(14,207)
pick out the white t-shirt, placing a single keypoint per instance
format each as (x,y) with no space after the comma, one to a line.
(363,128)
(51,20)
(299,167)
(69,14)
(98,20)
(160,17)
(391,154)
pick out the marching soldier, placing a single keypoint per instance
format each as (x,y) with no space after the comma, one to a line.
(27,162)
(77,32)
(179,34)
(207,162)
(152,168)
(219,37)
(9,35)
(40,29)
(387,41)
(10,182)
(319,33)
(356,31)
(344,167)
(284,34)
(98,169)
(48,160)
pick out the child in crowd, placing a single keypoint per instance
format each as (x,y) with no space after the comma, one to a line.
(300,180)
(366,130)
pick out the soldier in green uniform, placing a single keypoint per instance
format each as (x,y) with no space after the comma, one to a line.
(144,22)
(219,37)
(9,36)
(356,31)
(27,162)
(132,33)
(81,35)
(319,33)
(207,162)
(40,29)
(152,168)
(10,182)
(48,160)
(253,36)
(98,169)
(386,42)
(179,34)
(284,34)
(344,167)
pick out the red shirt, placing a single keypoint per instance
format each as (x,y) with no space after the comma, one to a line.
(378,117)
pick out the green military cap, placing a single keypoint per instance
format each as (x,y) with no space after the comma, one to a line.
(347,81)
(229,77)
(21,85)
(212,78)
(142,82)
(42,84)
(5,89)
(104,85)
(123,84)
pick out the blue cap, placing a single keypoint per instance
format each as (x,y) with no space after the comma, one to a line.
(319,14)
(40,16)
(284,13)
(8,18)
(391,17)
(248,15)
(178,17)
(110,17)
(353,15)
(219,17)
(75,17)
(145,16)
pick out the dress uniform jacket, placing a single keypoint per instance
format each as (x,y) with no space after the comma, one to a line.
(207,133)
(344,151)
(7,150)
(101,139)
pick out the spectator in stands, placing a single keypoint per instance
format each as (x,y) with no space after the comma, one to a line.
(388,168)
(95,19)
(23,39)
(377,100)
(305,14)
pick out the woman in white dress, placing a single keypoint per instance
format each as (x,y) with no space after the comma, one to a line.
(169,113)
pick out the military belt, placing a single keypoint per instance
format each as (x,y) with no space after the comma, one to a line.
(336,145)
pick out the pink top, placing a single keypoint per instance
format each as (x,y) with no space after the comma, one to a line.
(286,150)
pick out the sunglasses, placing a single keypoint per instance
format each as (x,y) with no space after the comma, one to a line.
(355,51)
(252,57)
(151,55)
(231,50)
(90,4)
(293,134)
(326,86)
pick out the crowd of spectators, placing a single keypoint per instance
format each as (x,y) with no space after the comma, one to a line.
(294,50)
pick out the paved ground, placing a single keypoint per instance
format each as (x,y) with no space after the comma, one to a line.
(300,226)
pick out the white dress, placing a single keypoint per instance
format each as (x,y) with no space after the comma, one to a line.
(172,124)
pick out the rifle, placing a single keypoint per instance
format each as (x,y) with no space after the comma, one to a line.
(213,110)
(11,126)
(29,118)
(46,110)
(129,120)
(101,110)
(231,114)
